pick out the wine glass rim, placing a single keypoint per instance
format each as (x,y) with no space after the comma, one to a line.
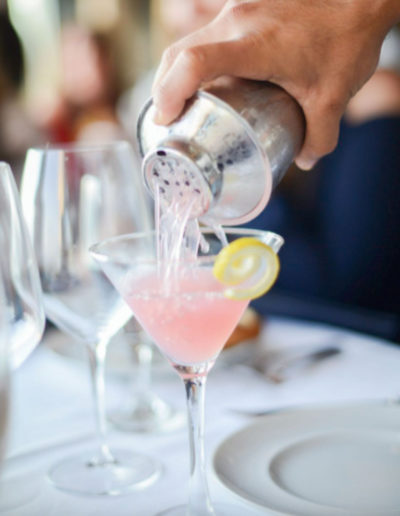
(264,235)
(80,146)
(5,166)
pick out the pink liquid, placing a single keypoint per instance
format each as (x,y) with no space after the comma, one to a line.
(192,320)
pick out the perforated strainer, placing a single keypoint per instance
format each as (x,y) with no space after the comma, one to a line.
(180,171)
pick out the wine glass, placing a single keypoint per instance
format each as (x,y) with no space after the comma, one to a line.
(22,318)
(24,314)
(4,384)
(72,196)
(144,411)
(189,318)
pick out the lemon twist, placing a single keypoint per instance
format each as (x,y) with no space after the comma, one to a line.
(248,267)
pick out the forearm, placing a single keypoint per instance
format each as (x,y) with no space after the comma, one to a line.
(379,13)
(391,11)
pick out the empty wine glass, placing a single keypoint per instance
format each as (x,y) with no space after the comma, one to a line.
(22,318)
(24,314)
(186,312)
(4,390)
(4,386)
(73,196)
(144,410)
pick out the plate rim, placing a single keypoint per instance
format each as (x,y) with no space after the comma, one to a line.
(292,411)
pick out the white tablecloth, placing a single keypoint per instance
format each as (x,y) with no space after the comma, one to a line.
(51,416)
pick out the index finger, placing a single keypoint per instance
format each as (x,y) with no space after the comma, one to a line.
(193,66)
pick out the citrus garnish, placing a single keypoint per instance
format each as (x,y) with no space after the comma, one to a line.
(248,267)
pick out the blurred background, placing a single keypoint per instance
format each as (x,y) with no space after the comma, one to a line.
(64,64)
(79,70)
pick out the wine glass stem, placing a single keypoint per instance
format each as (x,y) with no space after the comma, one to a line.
(199,498)
(97,366)
(144,354)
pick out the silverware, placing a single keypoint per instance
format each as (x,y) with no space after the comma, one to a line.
(280,370)
(262,412)
(280,366)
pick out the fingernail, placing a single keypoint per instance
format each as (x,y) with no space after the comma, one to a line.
(306,164)
(159,117)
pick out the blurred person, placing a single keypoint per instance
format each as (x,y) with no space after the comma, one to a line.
(17,130)
(180,17)
(88,90)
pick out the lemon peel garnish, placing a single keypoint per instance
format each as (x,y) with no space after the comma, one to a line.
(248,266)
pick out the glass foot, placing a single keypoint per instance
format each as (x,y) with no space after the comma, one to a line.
(148,414)
(127,471)
(219,509)
(19,490)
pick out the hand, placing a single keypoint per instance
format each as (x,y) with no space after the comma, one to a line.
(319,51)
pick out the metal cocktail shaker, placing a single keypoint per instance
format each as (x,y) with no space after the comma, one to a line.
(226,152)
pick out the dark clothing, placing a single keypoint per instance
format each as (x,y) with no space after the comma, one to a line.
(341,259)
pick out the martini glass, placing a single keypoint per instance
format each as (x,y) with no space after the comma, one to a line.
(72,196)
(190,319)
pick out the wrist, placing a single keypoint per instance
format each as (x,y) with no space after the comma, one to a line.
(389,12)
(377,16)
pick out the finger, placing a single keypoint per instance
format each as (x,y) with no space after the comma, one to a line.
(207,34)
(195,65)
(171,53)
(210,33)
(322,130)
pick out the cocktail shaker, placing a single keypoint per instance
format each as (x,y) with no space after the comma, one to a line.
(225,153)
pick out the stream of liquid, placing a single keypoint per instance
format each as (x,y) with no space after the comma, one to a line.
(178,233)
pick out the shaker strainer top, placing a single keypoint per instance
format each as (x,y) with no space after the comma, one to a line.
(182,172)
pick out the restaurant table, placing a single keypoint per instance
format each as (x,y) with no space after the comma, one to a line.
(51,415)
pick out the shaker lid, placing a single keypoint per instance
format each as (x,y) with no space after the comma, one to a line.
(183,172)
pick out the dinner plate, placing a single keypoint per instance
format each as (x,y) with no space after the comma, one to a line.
(321,461)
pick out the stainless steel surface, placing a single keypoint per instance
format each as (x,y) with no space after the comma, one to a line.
(226,152)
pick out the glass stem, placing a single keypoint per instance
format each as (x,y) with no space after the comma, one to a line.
(144,354)
(97,356)
(199,503)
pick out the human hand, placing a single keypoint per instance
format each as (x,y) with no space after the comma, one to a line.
(320,52)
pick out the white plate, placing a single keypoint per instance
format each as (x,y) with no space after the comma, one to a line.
(341,460)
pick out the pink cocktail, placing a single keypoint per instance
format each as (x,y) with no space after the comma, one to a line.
(189,318)
(184,309)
